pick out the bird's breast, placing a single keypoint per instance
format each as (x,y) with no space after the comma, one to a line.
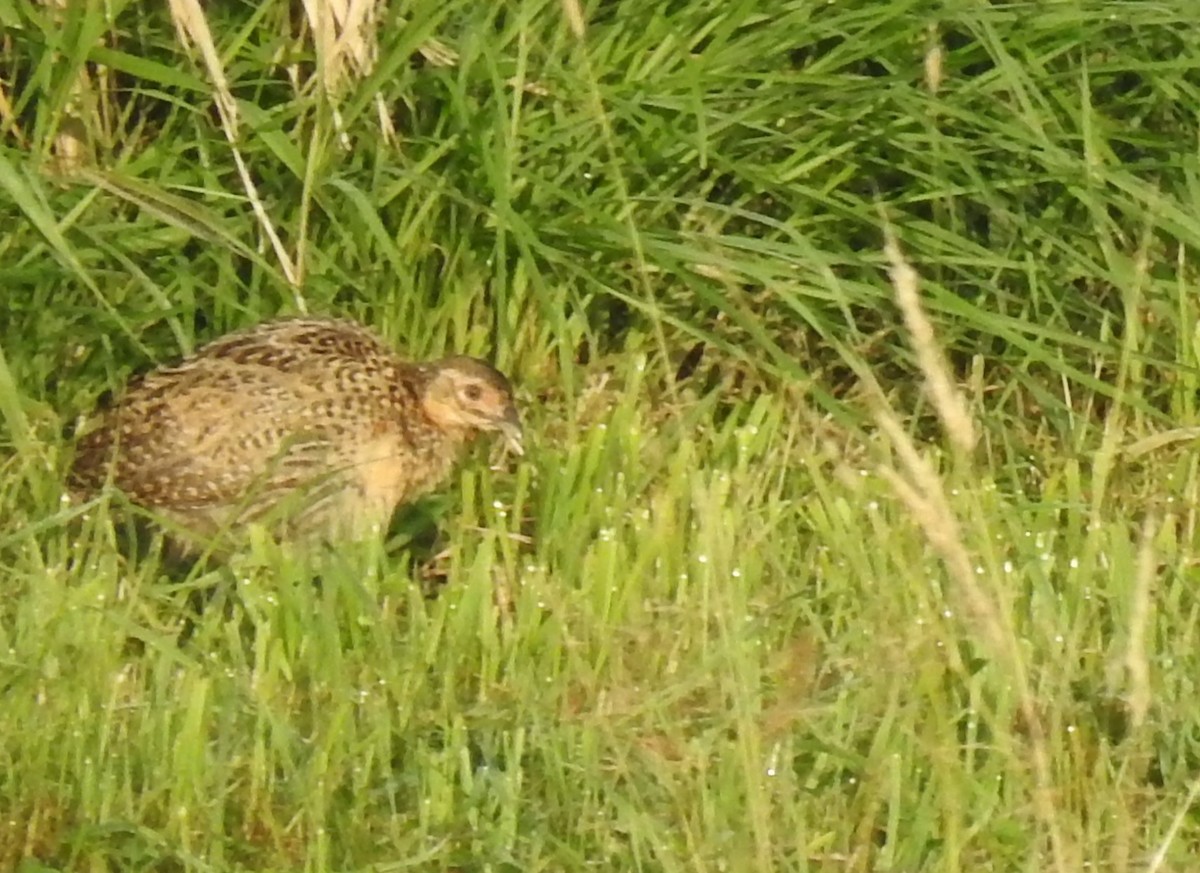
(391,468)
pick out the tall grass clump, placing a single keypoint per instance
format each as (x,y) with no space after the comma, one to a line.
(857,347)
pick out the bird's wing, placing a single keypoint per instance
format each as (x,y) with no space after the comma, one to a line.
(195,437)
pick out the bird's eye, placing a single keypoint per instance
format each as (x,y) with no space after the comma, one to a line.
(472,392)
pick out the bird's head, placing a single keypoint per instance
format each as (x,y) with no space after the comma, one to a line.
(467,394)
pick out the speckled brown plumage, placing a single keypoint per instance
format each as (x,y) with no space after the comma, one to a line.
(312,425)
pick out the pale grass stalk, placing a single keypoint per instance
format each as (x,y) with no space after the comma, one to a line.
(923,493)
(346,46)
(69,146)
(1160,855)
(8,120)
(192,28)
(1130,370)
(947,399)
(345,37)
(1137,662)
(1160,440)
(933,61)
(575,19)
(12,413)
(329,60)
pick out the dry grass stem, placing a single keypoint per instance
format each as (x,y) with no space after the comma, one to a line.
(1137,661)
(192,28)
(922,492)
(70,140)
(947,399)
(574,16)
(1160,854)
(933,61)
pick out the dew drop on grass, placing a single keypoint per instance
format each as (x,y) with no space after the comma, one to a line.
(703,559)
(773,761)
(947,613)
(1074,563)
(735,573)
(979,571)
(873,505)
(1008,566)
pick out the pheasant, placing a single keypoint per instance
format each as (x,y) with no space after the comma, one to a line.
(313,426)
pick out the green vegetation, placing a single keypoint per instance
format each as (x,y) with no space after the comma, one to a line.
(755,599)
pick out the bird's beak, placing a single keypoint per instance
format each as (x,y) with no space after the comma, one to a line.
(510,427)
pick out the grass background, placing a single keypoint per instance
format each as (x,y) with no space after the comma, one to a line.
(748,603)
